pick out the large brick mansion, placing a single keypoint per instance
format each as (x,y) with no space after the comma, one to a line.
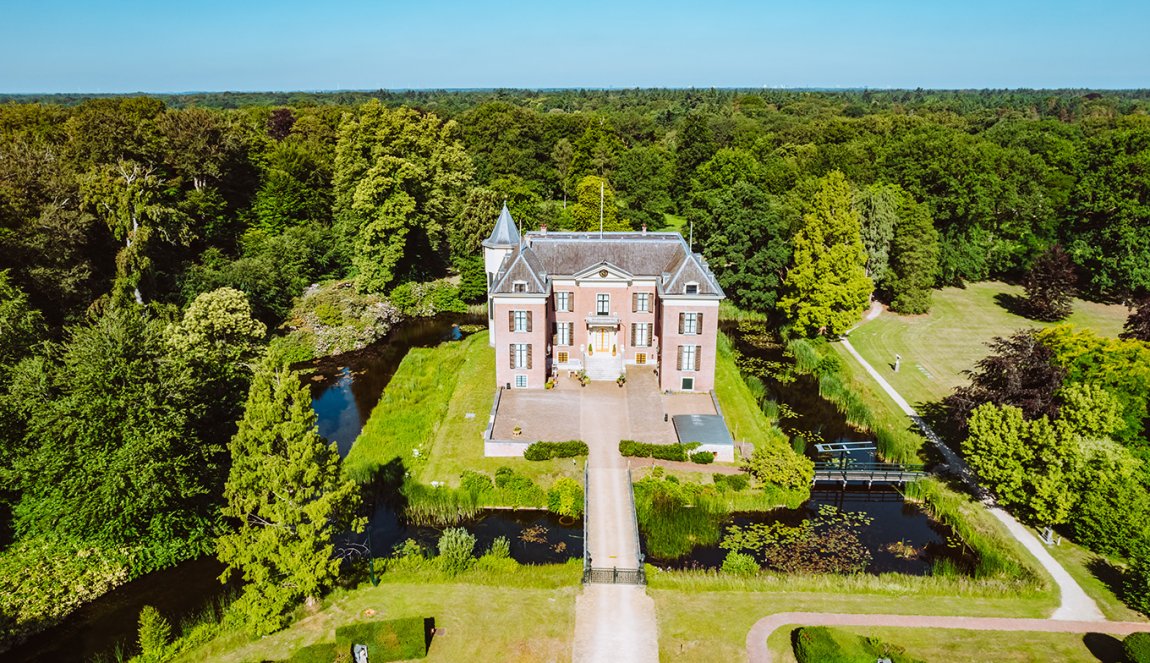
(562,302)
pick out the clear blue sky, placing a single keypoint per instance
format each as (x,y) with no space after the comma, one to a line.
(169,46)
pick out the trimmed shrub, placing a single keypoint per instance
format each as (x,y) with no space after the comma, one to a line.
(476,483)
(821,644)
(1136,646)
(456,550)
(740,564)
(703,457)
(565,497)
(321,652)
(514,489)
(661,451)
(734,482)
(390,640)
(549,450)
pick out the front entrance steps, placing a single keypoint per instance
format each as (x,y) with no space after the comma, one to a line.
(603,368)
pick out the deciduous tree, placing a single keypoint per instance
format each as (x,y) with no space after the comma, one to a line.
(1050,285)
(826,288)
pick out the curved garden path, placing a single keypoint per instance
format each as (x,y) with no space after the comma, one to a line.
(758,652)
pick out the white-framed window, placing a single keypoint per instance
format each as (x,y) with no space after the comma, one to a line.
(519,321)
(520,381)
(521,355)
(562,357)
(563,333)
(641,334)
(562,301)
(602,304)
(519,286)
(690,323)
(641,302)
(688,358)
(692,288)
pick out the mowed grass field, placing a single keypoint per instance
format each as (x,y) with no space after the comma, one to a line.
(936,348)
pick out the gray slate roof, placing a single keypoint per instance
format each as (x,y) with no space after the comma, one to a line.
(505,235)
(542,256)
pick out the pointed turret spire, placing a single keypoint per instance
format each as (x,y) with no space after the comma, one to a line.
(506,234)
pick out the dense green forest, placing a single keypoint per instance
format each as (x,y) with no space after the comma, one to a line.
(151,246)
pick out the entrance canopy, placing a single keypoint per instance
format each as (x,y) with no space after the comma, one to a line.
(707,429)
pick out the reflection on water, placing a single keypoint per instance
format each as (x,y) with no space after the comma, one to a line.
(346,387)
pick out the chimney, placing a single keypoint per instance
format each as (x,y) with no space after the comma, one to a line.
(543,228)
(644,229)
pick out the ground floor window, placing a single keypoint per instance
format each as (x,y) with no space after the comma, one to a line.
(641,358)
(688,384)
(520,381)
(688,358)
(561,357)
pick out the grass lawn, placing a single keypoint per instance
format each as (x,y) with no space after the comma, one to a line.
(480,622)
(712,626)
(936,348)
(933,645)
(744,417)
(425,407)
(672,223)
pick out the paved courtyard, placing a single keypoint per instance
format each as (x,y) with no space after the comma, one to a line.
(554,415)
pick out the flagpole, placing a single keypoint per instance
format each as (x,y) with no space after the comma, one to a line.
(600,210)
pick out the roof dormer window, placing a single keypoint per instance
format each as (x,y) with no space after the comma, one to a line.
(692,288)
(519,286)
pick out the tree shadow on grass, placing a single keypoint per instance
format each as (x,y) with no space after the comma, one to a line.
(1013,304)
(1110,575)
(1105,648)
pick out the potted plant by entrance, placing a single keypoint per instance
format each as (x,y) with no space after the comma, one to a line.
(583,379)
(590,349)
(517,431)
(621,380)
(613,350)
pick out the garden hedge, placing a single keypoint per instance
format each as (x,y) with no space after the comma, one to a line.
(390,640)
(703,457)
(661,451)
(549,450)
(821,644)
(1136,646)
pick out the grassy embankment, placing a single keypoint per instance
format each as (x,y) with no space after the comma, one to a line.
(421,426)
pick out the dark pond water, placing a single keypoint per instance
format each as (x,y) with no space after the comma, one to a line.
(894,521)
(536,536)
(96,629)
(346,387)
(815,418)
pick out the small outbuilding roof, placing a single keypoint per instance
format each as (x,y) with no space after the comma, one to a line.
(702,428)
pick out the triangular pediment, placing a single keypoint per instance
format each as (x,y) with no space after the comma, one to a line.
(604,271)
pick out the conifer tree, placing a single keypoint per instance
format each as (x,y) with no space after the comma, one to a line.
(914,258)
(827,288)
(286,492)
